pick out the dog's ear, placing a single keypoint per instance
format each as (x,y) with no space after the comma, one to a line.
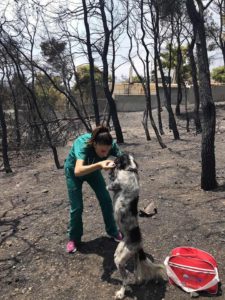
(122,162)
(133,165)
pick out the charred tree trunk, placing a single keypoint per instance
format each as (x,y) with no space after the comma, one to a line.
(34,102)
(4,140)
(48,136)
(221,6)
(145,114)
(148,92)
(223,52)
(145,124)
(91,65)
(33,121)
(159,105)
(172,120)
(195,87)
(208,175)
(179,77)
(186,108)
(112,104)
(16,115)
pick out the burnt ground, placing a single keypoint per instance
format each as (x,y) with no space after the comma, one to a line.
(34,215)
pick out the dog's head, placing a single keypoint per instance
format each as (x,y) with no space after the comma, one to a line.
(126,162)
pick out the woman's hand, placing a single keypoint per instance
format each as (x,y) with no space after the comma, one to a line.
(107,164)
(81,169)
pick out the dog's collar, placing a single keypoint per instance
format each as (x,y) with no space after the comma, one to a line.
(132,170)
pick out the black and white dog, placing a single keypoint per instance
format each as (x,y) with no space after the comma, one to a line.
(124,184)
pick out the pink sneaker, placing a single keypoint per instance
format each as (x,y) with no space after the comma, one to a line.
(71,247)
(118,238)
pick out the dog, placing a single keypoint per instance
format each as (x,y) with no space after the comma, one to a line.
(124,186)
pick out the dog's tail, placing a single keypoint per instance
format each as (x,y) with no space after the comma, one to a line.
(147,270)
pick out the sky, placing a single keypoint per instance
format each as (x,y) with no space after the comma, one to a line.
(123,70)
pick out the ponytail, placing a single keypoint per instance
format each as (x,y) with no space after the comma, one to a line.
(101,135)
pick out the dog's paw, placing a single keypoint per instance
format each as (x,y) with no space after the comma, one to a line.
(120,294)
(163,274)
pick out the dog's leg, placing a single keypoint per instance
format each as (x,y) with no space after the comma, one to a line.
(113,186)
(122,255)
(136,279)
(147,270)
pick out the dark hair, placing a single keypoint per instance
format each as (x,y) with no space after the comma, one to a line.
(101,135)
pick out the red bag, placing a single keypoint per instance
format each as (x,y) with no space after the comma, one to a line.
(193,270)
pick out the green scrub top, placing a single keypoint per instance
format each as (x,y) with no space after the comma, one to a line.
(81,150)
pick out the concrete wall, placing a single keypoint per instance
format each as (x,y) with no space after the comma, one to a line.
(218,92)
(130,103)
(137,102)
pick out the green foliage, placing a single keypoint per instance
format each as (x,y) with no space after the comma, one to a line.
(185,68)
(169,59)
(83,73)
(45,91)
(136,79)
(218,74)
(84,80)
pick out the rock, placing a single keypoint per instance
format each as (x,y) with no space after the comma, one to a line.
(9,243)
(45,191)
(149,211)
(194,295)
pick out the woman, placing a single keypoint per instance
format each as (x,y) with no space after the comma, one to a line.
(85,161)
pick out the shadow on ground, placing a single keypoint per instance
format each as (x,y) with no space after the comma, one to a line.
(105,248)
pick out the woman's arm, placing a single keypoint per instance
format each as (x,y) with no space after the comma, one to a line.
(81,170)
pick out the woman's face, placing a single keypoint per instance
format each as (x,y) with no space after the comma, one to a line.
(102,150)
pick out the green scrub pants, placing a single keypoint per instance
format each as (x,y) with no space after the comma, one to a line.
(74,187)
